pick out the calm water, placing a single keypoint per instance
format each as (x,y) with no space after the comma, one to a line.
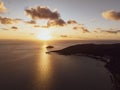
(24,65)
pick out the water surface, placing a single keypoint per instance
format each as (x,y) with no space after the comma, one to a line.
(24,65)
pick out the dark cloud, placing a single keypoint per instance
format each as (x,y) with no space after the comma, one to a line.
(112,32)
(31,22)
(2,7)
(40,12)
(81,28)
(85,30)
(115,32)
(13,27)
(111,15)
(51,23)
(71,22)
(57,22)
(5,20)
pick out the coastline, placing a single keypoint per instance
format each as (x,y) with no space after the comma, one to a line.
(108,53)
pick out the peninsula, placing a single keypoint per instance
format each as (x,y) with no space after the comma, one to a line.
(110,53)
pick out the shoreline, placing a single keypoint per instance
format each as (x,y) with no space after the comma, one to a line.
(108,53)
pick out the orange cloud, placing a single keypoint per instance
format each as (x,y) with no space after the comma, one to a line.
(36,26)
(2,7)
(75,28)
(111,15)
(30,22)
(32,33)
(64,36)
(4,28)
(5,20)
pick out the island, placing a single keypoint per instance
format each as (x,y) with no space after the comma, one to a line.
(109,53)
(50,47)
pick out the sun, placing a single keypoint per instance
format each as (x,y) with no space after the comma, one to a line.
(44,35)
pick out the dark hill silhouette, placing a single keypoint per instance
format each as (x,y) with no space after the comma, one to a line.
(103,50)
(109,52)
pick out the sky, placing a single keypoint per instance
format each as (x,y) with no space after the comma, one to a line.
(60,19)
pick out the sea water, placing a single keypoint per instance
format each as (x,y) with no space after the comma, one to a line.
(24,65)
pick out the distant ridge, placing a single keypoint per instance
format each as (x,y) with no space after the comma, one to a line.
(109,50)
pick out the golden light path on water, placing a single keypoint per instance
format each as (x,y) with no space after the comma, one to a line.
(44,70)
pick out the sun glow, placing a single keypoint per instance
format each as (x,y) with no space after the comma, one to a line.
(44,35)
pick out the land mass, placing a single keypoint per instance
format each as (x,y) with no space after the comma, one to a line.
(110,53)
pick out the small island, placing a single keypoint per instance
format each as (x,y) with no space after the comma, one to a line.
(109,53)
(50,47)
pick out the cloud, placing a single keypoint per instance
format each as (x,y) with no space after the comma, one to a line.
(111,15)
(110,31)
(13,27)
(71,22)
(41,12)
(115,32)
(64,36)
(5,20)
(32,33)
(31,22)
(75,28)
(2,7)
(57,22)
(81,28)
(51,23)
(85,30)
(36,26)
(4,29)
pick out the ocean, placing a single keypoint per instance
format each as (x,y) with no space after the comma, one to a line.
(25,65)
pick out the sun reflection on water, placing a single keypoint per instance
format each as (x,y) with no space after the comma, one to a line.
(44,73)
